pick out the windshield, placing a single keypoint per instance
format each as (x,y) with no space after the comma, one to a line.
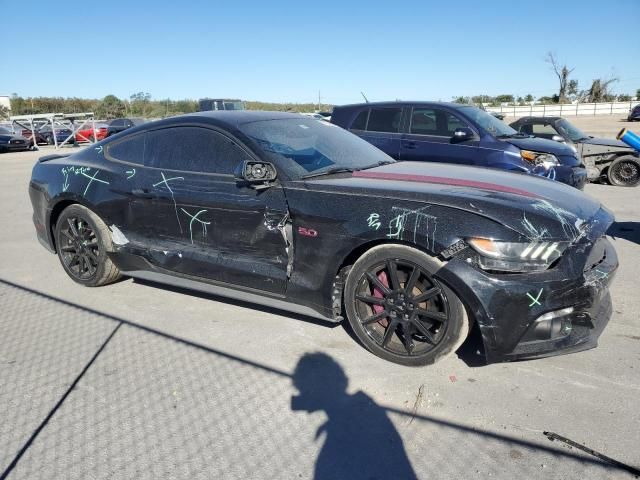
(302,146)
(488,122)
(5,131)
(568,130)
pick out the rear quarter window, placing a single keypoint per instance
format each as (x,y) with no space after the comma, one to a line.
(129,149)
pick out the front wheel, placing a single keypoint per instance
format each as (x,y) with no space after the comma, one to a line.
(399,311)
(82,241)
(624,172)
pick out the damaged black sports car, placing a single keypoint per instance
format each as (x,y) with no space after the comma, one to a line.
(605,158)
(298,214)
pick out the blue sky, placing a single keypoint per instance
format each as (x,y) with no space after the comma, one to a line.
(288,50)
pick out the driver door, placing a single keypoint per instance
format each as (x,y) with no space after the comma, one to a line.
(208,225)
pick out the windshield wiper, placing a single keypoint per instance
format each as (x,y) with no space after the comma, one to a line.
(329,171)
(377,164)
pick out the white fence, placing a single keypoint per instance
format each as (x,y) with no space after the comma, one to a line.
(569,109)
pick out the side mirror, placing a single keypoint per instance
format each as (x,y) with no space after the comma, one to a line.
(258,174)
(557,138)
(462,134)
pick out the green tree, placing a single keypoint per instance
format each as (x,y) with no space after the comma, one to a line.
(529,98)
(504,99)
(110,107)
(624,98)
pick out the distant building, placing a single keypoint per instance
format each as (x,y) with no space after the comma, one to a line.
(5,101)
(207,104)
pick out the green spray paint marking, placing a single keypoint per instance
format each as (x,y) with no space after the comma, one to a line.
(166,181)
(66,171)
(91,180)
(130,173)
(534,301)
(194,218)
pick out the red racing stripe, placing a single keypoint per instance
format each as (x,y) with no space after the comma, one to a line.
(454,182)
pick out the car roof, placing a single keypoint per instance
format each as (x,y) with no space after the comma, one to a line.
(228,119)
(404,103)
(539,119)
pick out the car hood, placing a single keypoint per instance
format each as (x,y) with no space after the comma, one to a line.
(533,207)
(540,145)
(607,142)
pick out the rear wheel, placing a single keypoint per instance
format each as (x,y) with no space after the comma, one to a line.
(82,242)
(399,311)
(624,172)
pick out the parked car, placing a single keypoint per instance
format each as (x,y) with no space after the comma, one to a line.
(46,133)
(605,158)
(294,213)
(9,141)
(86,133)
(634,114)
(121,124)
(455,133)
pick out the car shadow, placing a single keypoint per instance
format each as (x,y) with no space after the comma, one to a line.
(237,303)
(627,230)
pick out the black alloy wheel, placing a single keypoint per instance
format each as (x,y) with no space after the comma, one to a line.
(80,249)
(82,243)
(624,172)
(399,310)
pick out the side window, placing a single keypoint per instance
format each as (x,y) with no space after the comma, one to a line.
(542,128)
(192,149)
(424,121)
(130,149)
(433,121)
(453,123)
(117,123)
(360,123)
(384,120)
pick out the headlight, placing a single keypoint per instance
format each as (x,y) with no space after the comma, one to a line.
(547,160)
(516,256)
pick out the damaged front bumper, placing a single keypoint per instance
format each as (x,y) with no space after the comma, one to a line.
(561,310)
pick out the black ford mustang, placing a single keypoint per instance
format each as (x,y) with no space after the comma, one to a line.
(302,215)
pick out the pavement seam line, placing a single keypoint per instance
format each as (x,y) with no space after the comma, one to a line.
(58,404)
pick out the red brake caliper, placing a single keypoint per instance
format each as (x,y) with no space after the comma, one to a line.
(382,276)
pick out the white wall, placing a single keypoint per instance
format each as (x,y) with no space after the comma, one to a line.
(566,110)
(5,101)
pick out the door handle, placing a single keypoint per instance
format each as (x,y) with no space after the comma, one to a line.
(141,193)
(409,145)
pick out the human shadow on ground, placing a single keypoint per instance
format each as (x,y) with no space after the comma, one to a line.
(360,442)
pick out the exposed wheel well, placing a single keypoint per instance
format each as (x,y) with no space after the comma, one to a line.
(53,217)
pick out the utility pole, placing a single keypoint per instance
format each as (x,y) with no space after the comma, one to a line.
(318,100)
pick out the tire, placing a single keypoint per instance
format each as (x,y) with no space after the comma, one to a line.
(412,325)
(624,172)
(83,255)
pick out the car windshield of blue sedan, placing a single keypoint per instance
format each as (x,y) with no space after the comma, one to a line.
(488,122)
(307,146)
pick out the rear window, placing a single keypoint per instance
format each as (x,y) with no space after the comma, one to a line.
(384,120)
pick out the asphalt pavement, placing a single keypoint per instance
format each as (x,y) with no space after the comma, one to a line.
(137,380)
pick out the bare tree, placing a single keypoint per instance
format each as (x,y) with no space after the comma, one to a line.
(562,72)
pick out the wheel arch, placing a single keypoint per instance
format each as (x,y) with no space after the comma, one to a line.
(356,252)
(56,209)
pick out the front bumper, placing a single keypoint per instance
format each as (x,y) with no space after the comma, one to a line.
(573,176)
(509,308)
